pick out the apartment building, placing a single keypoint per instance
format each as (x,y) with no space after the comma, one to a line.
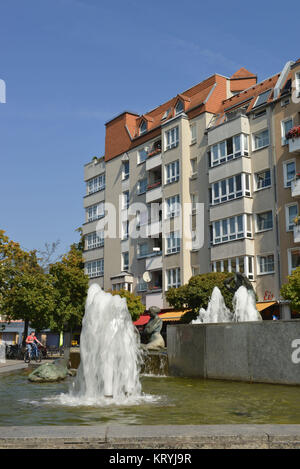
(206,160)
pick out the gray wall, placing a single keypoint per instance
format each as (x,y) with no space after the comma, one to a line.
(267,351)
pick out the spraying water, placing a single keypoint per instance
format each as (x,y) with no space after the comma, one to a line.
(110,352)
(244,305)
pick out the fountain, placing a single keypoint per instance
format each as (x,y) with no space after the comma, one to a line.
(110,351)
(244,306)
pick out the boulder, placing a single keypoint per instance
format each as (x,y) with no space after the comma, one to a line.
(49,372)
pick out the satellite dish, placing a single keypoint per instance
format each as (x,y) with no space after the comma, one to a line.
(147,277)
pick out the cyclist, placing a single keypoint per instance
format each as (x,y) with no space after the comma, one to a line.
(31,346)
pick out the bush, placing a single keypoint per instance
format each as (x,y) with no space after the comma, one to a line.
(291,290)
(197,292)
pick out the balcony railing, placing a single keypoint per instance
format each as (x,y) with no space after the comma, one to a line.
(154,185)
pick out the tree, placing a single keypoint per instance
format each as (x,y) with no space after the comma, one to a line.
(291,290)
(197,292)
(70,284)
(134,303)
(25,291)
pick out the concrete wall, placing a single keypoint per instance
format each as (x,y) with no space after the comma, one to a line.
(267,351)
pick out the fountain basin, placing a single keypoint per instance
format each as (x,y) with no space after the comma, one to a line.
(262,351)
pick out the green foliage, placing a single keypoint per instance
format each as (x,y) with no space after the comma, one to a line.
(70,284)
(197,292)
(134,303)
(291,290)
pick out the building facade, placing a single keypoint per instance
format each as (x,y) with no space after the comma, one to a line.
(201,183)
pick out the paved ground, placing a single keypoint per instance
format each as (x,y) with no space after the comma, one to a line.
(152,437)
(13,365)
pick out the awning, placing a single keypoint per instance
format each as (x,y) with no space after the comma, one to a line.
(170,316)
(264,305)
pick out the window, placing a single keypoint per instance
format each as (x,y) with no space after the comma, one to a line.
(173,242)
(179,107)
(125,200)
(193,166)
(142,186)
(143,127)
(289,172)
(193,133)
(264,221)
(142,155)
(173,278)
(125,230)
(125,261)
(230,229)
(262,98)
(96,184)
(231,188)
(94,240)
(194,200)
(141,285)
(262,179)
(243,264)
(171,138)
(297,79)
(142,250)
(229,149)
(265,264)
(94,212)
(291,211)
(285,127)
(172,206)
(261,140)
(172,172)
(125,170)
(293,259)
(95,268)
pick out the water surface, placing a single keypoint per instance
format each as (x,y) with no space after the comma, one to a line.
(168,401)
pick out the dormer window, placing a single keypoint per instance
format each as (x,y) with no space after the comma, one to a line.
(143,127)
(179,107)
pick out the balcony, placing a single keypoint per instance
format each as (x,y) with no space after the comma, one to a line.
(154,191)
(297,234)
(293,137)
(295,187)
(153,160)
(237,125)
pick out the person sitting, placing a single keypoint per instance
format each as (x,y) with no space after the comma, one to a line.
(31,346)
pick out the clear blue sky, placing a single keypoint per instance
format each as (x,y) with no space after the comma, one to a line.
(70,65)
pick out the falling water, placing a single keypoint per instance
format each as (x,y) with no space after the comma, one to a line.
(110,352)
(244,306)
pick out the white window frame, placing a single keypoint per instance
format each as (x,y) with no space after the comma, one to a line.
(125,174)
(228,229)
(125,265)
(142,190)
(142,155)
(173,278)
(181,109)
(172,172)
(218,151)
(257,230)
(143,127)
(96,184)
(258,265)
(172,206)
(264,144)
(256,188)
(94,212)
(95,268)
(193,129)
(290,226)
(125,200)
(230,194)
(287,183)
(248,265)
(94,240)
(173,242)
(171,138)
(284,141)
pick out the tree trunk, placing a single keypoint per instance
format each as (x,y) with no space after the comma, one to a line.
(25,333)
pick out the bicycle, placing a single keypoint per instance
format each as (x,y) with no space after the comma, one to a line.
(29,355)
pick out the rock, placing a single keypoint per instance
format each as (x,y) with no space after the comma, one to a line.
(48,372)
